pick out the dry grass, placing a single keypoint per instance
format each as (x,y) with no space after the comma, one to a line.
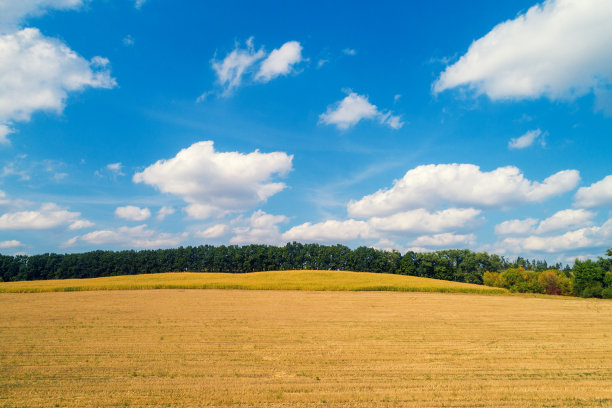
(277,280)
(222,348)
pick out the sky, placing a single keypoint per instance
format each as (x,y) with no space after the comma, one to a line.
(136,124)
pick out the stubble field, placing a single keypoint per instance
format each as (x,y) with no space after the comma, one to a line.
(222,348)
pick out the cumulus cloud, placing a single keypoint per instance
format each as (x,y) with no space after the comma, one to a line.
(130,212)
(164,212)
(48,216)
(80,224)
(248,64)
(231,68)
(261,228)
(446,240)
(516,227)
(214,183)
(330,231)
(558,49)
(216,231)
(564,220)
(4,132)
(38,72)
(589,237)
(10,244)
(12,13)
(598,194)
(352,109)
(561,220)
(414,222)
(526,140)
(464,185)
(422,221)
(131,237)
(280,61)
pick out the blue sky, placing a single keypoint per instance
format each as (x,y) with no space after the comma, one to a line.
(405,125)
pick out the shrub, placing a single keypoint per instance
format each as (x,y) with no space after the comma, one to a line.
(593,290)
(491,279)
(554,282)
(607,293)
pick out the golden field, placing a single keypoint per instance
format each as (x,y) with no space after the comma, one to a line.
(275,280)
(239,348)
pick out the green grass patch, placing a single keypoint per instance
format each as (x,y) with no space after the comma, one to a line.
(276,280)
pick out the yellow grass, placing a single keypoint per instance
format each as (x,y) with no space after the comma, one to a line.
(277,280)
(237,348)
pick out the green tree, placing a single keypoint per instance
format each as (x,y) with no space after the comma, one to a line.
(588,278)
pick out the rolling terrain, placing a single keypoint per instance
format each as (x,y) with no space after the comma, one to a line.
(289,348)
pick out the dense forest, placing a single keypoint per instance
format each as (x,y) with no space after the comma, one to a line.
(585,278)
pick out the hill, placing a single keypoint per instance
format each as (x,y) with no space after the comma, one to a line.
(276,280)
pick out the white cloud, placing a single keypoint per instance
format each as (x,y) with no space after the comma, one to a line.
(12,13)
(80,224)
(37,73)
(516,227)
(115,168)
(413,222)
(429,186)
(215,231)
(445,240)
(231,69)
(559,49)
(261,228)
(349,51)
(422,221)
(598,194)
(330,231)
(564,220)
(139,3)
(561,220)
(49,215)
(130,212)
(249,65)
(589,237)
(4,132)
(526,140)
(59,176)
(10,244)
(214,183)
(164,212)
(352,109)
(134,237)
(128,40)
(280,61)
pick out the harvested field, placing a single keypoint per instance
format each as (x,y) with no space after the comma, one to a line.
(223,348)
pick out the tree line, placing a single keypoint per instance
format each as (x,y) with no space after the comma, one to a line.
(588,278)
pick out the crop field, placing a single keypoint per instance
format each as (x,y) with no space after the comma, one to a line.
(276,280)
(241,348)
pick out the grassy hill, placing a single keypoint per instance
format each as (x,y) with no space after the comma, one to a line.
(276,280)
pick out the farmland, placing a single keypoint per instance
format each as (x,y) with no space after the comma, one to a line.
(255,348)
(275,280)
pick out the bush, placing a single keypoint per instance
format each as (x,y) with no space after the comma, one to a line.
(555,282)
(593,290)
(491,279)
(607,293)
